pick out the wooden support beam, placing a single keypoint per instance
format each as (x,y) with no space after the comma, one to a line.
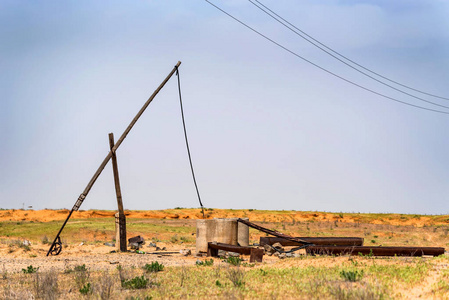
(120,223)
(256,254)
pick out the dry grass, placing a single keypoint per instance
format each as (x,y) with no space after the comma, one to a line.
(296,278)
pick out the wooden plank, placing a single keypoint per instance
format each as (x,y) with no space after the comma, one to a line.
(121,232)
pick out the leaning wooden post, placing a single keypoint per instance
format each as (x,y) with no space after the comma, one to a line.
(56,246)
(120,219)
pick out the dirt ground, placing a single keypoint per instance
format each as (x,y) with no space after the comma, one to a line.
(47,215)
(86,234)
(99,257)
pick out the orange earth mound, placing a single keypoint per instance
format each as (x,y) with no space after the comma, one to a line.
(47,215)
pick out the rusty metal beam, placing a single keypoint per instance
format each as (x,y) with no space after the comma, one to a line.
(275,233)
(255,254)
(375,251)
(334,241)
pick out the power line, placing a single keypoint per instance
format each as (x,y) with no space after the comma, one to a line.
(332,50)
(339,59)
(321,68)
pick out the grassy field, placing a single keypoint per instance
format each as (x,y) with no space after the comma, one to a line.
(304,277)
(299,278)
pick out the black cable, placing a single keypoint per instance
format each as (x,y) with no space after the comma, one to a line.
(342,61)
(330,49)
(321,68)
(187,141)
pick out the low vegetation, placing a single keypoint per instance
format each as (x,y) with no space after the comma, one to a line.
(312,277)
(305,277)
(154,267)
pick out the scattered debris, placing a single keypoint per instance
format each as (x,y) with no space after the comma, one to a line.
(185,252)
(280,255)
(269,250)
(137,239)
(134,246)
(136,242)
(109,244)
(232,254)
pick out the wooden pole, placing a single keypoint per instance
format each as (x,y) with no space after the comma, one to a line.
(108,157)
(121,224)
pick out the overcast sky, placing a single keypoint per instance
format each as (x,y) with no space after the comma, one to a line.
(267,130)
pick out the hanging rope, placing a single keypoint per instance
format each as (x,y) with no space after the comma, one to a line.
(187,141)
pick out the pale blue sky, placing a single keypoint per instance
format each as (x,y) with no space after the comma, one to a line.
(267,130)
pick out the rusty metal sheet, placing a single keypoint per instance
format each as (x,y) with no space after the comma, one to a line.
(376,251)
(332,241)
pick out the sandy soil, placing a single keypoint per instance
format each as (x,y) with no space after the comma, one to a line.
(99,257)
(47,215)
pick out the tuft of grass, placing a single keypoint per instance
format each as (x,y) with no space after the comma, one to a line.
(30,270)
(80,268)
(105,286)
(82,275)
(186,239)
(235,261)
(205,263)
(351,276)
(236,276)
(135,283)
(46,285)
(86,289)
(45,240)
(153,267)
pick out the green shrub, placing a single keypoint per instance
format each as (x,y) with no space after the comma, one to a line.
(351,276)
(235,261)
(135,283)
(154,267)
(30,270)
(186,239)
(86,289)
(205,263)
(81,276)
(81,268)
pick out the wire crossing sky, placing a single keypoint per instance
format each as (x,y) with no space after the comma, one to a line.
(340,77)
(314,42)
(266,130)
